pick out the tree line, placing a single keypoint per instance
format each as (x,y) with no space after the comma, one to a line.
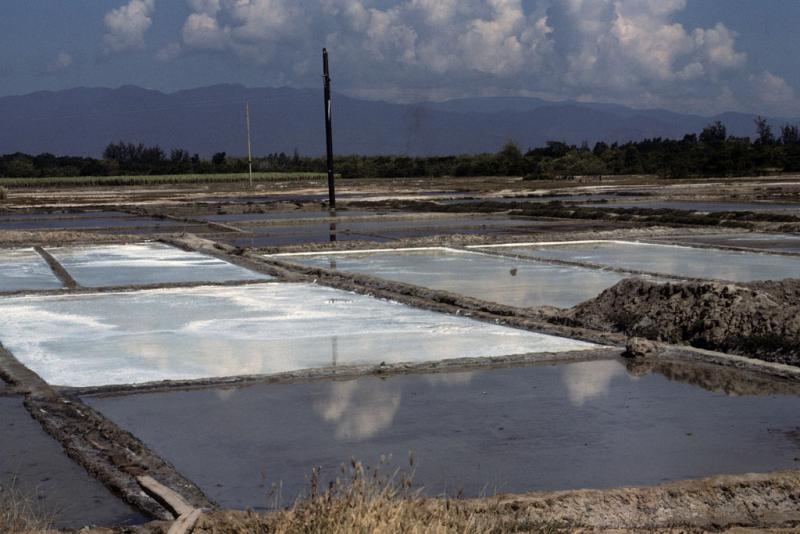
(712,152)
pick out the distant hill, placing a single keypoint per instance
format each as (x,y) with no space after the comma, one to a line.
(83,121)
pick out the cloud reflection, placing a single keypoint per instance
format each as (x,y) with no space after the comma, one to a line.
(589,380)
(360,409)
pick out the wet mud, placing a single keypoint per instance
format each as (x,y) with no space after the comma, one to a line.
(759,319)
(33,467)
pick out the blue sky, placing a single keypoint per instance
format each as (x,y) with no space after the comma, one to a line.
(702,56)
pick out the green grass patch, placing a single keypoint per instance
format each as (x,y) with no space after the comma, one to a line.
(85,181)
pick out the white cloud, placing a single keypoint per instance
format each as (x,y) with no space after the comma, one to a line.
(126,26)
(630,51)
(169,52)
(774,93)
(202,31)
(62,62)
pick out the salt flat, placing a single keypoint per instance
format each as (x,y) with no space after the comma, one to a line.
(204,332)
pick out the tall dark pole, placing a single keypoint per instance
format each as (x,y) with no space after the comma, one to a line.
(328,132)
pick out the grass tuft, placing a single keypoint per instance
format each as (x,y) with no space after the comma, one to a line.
(91,181)
(363,501)
(19,513)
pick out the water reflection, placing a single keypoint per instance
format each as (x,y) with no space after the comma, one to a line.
(715,378)
(146,263)
(360,409)
(178,334)
(25,269)
(587,381)
(503,280)
(674,260)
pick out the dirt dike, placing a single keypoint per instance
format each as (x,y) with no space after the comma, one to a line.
(740,503)
(759,319)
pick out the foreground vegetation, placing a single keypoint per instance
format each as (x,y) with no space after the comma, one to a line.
(47,181)
(712,152)
(18,513)
(364,501)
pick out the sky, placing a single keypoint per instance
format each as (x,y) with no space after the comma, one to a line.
(697,56)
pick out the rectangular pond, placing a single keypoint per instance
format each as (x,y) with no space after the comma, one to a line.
(202,332)
(146,263)
(701,206)
(274,215)
(509,281)
(544,427)
(736,266)
(24,269)
(34,465)
(85,223)
(766,242)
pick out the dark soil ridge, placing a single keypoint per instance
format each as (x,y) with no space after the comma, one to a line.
(757,319)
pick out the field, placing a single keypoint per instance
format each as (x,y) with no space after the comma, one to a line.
(109,181)
(555,356)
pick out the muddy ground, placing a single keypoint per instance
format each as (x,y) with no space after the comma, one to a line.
(758,320)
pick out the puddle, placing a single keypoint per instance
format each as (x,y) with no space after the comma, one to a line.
(382,231)
(316,235)
(316,197)
(22,269)
(670,259)
(545,427)
(700,206)
(524,199)
(119,338)
(767,242)
(84,223)
(297,214)
(146,263)
(507,281)
(34,465)
(52,215)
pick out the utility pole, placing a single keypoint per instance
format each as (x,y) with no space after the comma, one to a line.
(328,132)
(249,149)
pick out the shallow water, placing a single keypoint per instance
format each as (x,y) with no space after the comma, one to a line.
(34,464)
(380,231)
(497,279)
(701,206)
(766,242)
(146,263)
(669,259)
(75,223)
(296,214)
(545,427)
(24,269)
(118,338)
(62,215)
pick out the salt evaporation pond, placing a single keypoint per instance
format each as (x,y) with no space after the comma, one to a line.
(146,263)
(34,465)
(202,332)
(694,205)
(544,427)
(24,269)
(507,281)
(736,266)
(767,242)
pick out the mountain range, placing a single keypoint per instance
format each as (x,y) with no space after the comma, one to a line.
(82,121)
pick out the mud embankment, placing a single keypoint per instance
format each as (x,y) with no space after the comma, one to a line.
(759,319)
(620,215)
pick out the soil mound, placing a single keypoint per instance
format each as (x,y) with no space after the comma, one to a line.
(760,319)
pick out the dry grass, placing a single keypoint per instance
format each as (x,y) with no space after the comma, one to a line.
(19,512)
(364,502)
(87,181)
